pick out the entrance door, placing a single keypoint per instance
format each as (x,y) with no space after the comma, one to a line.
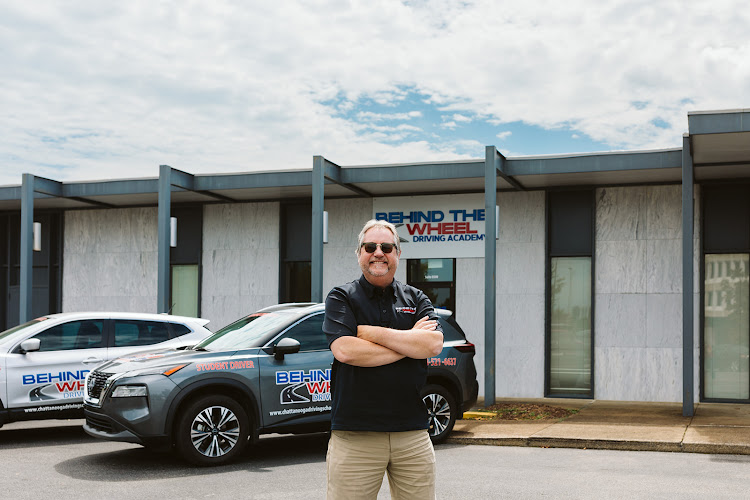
(436,278)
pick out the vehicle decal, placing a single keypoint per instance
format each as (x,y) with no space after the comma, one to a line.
(52,386)
(307,409)
(314,384)
(289,395)
(441,361)
(241,364)
(50,378)
(69,406)
(59,390)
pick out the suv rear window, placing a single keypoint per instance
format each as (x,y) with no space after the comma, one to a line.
(178,330)
(450,332)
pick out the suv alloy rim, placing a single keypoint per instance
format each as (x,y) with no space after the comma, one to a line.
(439,412)
(215,431)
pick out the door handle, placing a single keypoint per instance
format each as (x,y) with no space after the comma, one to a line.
(89,361)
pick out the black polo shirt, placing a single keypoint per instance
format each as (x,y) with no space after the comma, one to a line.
(380,398)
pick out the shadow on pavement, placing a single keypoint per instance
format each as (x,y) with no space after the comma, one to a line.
(141,464)
(43,436)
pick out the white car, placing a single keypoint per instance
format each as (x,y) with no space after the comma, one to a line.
(43,363)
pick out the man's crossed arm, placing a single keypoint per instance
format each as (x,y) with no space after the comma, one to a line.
(377,345)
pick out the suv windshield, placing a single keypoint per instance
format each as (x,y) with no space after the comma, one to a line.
(250,331)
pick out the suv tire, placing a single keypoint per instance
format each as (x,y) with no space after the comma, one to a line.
(442,410)
(212,430)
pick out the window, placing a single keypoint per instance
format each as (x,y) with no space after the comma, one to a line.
(569,359)
(178,330)
(135,332)
(570,325)
(297,281)
(451,332)
(436,278)
(184,262)
(295,250)
(726,330)
(86,334)
(725,364)
(309,333)
(185,285)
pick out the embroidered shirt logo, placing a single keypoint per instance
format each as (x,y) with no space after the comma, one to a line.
(407,310)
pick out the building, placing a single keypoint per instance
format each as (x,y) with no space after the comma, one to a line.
(619,276)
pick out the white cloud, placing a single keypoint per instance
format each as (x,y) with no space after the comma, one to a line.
(504,135)
(372,116)
(99,89)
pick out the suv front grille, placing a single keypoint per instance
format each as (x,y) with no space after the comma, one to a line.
(96,384)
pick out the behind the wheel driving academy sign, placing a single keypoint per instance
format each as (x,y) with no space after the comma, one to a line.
(444,226)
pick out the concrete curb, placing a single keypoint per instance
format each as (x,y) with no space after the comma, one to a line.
(600,444)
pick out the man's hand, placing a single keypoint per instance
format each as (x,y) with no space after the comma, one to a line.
(421,342)
(425,324)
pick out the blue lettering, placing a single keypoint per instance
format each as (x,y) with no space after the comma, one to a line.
(463,215)
(297,376)
(322,375)
(28,379)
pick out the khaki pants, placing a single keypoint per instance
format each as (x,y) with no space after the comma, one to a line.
(357,460)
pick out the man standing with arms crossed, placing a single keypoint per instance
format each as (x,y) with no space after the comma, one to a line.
(380,332)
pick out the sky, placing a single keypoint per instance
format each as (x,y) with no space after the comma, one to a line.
(93,90)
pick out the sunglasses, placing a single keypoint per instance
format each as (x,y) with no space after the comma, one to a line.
(385,247)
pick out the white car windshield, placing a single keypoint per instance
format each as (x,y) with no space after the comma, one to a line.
(11,331)
(250,331)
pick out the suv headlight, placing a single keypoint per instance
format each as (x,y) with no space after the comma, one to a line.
(129,391)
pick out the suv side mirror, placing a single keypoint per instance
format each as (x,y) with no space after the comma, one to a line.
(285,346)
(30,345)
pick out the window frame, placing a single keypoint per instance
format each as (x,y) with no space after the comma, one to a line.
(549,255)
(719,246)
(421,285)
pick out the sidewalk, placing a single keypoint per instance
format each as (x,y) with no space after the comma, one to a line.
(716,428)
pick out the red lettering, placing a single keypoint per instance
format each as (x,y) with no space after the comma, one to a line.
(319,387)
(76,385)
(419,228)
(441,228)
(238,365)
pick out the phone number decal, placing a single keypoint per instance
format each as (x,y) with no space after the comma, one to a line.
(441,361)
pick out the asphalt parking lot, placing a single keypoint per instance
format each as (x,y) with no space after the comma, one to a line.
(58,460)
(38,458)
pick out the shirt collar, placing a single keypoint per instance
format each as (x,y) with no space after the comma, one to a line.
(370,289)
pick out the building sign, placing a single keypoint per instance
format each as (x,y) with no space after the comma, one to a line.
(444,226)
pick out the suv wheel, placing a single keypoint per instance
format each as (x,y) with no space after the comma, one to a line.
(442,410)
(213,430)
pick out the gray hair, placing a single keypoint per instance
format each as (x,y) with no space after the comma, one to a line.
(377,223)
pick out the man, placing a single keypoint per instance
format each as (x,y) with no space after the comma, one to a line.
(380,332)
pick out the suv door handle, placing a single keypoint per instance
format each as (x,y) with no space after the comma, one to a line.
(92,360)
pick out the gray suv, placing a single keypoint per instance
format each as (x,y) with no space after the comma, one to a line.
(269,372)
